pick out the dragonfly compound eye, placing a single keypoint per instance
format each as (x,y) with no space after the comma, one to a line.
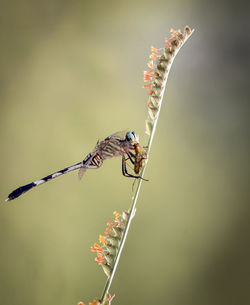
(130,136)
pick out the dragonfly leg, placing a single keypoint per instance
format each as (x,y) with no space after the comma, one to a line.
(130,155)
(125,172)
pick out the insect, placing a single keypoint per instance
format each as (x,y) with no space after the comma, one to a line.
(140,157)
(113,146)
(138,160)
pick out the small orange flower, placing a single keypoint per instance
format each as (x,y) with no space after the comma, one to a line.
(148,72)
(117,221)
(175,32)
(149,88)
(151,64)
(147,76)
(108,299)
(102,239)
(153,56)
(168,40)
(99,258)
(95,302)
(153,49)
(117,215)
(80,303)
(96,248)
(110,224)
(108,234)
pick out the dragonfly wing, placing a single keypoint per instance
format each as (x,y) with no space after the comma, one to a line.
(81,172)
(119,134)
(85,164)
(83,169)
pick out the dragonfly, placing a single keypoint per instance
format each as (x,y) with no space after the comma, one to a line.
(128,147)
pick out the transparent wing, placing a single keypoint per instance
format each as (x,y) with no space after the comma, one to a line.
(81,172)
(83,169)
(120,134)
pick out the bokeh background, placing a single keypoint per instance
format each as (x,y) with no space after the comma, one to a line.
(71,72)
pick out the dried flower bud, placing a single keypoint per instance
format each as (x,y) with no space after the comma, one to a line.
(107,269)
(110,242)
(157,76)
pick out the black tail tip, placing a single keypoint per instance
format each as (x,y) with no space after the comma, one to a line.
(19,191)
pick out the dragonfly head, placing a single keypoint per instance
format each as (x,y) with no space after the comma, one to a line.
(131,137)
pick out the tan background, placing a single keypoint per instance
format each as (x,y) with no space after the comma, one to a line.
(71,72)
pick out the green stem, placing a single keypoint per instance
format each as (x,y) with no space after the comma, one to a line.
(139,181)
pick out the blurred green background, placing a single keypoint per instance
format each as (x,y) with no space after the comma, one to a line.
(71,73)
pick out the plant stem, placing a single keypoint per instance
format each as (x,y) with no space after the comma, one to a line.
(139,181)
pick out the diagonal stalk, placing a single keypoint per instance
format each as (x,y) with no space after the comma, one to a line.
(175,48)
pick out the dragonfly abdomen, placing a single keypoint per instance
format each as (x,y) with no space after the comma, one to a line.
(19,191)
(97,161)
(25,188)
